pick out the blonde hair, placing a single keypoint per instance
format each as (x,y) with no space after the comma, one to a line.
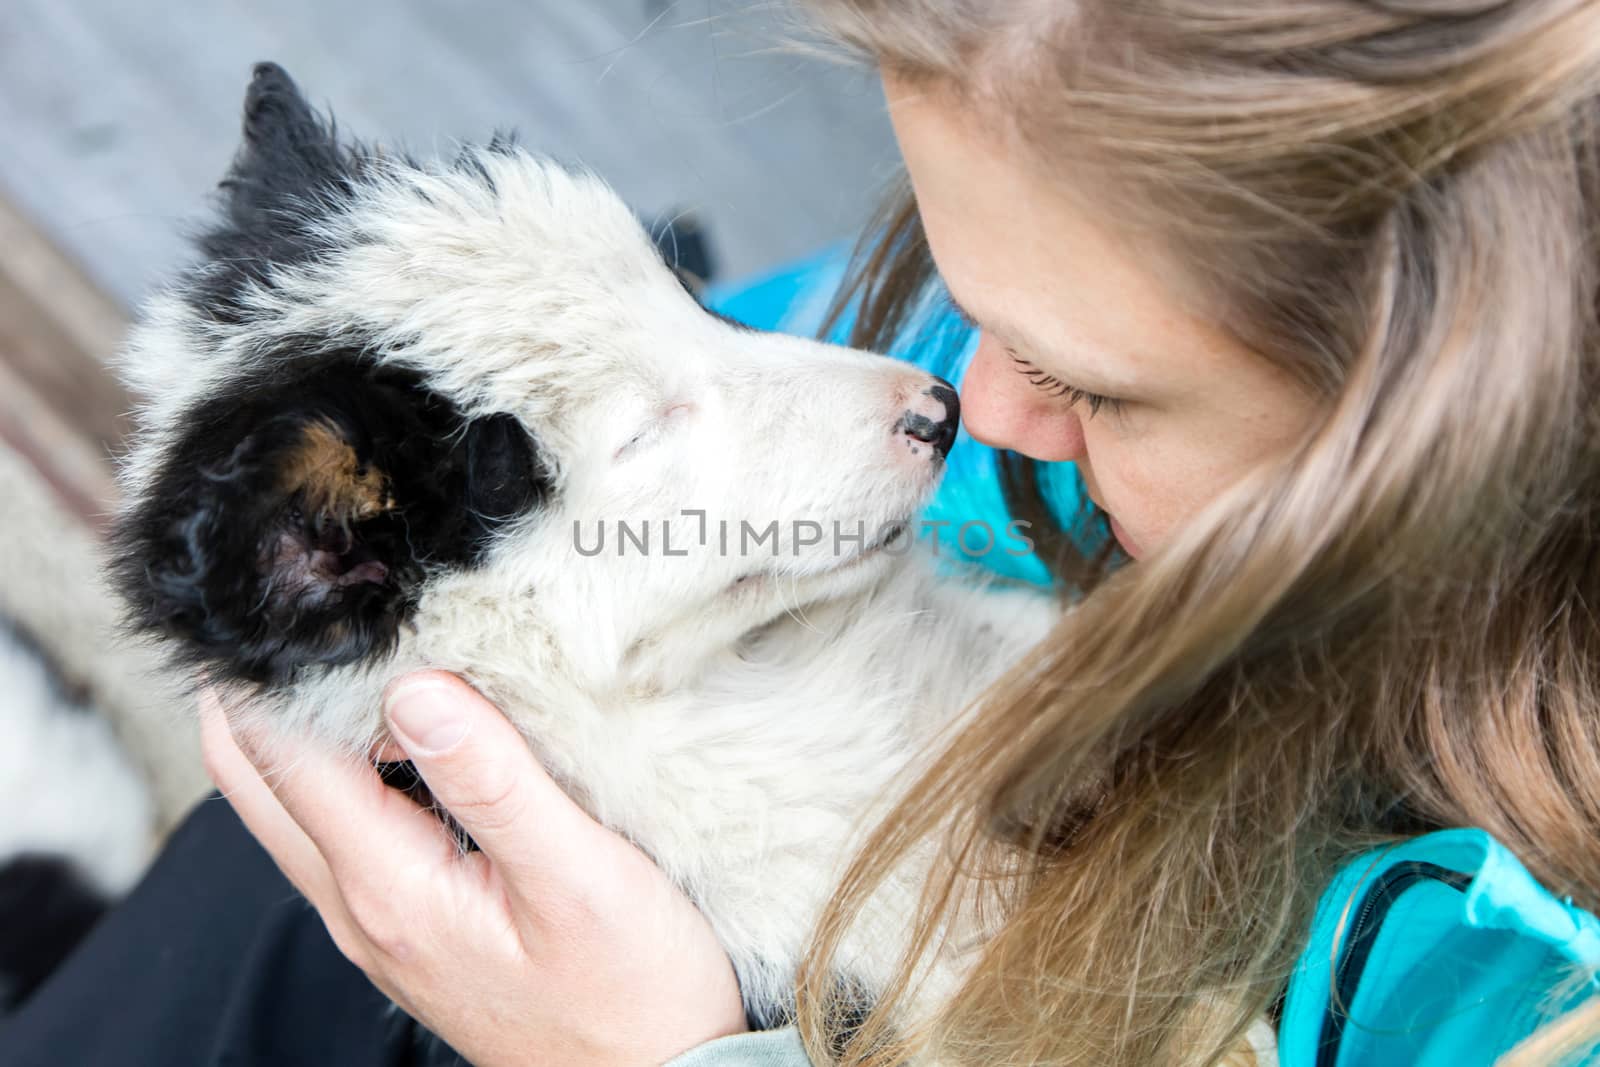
(1390,630)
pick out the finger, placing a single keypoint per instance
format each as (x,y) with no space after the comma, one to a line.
(385,866)
(369,836)
(242,786)
(481,770)
(258,808)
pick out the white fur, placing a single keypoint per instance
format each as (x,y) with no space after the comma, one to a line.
(742,732)
(66,786)
(52,585)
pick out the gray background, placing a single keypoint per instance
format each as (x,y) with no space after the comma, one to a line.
(118,116)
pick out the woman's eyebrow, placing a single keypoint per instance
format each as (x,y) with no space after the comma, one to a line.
(1026,344)
(1001,328)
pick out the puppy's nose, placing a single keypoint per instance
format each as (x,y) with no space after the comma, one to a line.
(932,416)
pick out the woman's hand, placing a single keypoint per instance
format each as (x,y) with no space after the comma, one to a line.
(558,943)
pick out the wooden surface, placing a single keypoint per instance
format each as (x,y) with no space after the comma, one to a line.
(118,116)
(61,408)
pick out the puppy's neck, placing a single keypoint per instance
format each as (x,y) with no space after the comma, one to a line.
(678,657)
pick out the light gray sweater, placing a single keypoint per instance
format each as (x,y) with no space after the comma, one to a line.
(765,1048)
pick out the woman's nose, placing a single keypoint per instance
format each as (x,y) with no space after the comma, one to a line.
(1005,410)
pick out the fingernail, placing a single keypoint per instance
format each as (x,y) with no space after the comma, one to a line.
(428,716)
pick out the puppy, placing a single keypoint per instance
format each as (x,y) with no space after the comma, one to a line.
(464,416)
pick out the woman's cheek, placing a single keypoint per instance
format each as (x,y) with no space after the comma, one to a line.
(1164,505)
(1144,508)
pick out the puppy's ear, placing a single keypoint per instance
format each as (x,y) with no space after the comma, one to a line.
(295,522)
(288,151)
(290,174)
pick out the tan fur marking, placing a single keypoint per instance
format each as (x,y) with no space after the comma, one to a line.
(324,469)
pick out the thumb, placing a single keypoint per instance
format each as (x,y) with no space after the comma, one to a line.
(481,770)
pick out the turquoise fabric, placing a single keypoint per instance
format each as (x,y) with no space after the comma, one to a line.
(967,516)
(1445,953)
(1468,954)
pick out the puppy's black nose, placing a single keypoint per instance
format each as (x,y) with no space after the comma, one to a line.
(934,416)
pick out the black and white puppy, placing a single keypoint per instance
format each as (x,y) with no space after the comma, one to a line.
(464,416)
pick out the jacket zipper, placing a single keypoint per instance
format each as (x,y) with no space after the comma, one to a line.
(1363,934)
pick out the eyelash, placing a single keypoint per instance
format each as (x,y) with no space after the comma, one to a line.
(652,429)
(1054,386)
(1049,383)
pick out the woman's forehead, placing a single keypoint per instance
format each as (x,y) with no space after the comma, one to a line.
(1045,271)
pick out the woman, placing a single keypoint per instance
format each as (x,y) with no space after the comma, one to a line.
(1307,291)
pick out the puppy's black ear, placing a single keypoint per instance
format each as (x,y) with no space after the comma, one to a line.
(290,174)
(294,523)
(288,150)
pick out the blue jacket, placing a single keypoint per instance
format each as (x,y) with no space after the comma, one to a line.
(1439,952)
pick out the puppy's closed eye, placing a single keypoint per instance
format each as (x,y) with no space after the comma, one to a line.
(653,427)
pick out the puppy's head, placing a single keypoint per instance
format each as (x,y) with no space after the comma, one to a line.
(288,516)
(387,386)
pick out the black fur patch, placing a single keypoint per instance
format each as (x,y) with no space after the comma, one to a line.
(290,173)
(45,910)
(686,250)
(293,522)
(402,777)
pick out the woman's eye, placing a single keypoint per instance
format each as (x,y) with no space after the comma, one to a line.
(1047,383)
(1054,386)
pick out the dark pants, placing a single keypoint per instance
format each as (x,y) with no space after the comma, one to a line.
(213,960)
